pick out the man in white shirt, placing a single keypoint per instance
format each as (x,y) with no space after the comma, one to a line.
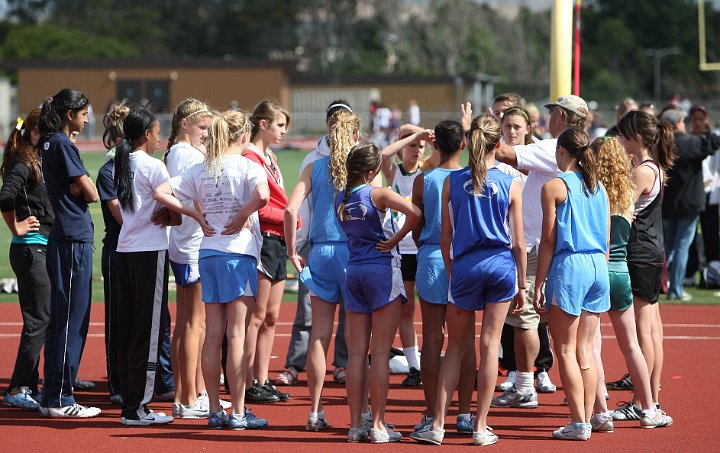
(538,160)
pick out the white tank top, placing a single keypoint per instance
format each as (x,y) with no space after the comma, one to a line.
(403,184)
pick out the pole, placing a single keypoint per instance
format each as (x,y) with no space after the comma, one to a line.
(561,49)
(576,59)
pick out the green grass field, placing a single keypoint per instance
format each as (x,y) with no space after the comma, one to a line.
(289,161)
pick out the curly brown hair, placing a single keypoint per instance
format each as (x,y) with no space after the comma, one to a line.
(614,172)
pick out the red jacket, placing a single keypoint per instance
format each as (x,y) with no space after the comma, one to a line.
(272,215)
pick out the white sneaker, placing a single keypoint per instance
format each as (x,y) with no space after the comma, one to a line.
(205,401)
(544,384)
(509,382)
(176,409)
(484,437)
(153,418)
(72,411)
(660,420)
(513,398)
(192,411)
(602,423)
(570,432)
(429,435)
(383,437)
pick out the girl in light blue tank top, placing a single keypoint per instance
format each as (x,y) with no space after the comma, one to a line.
(481,240)
(327,262)
(373,287)
(574,260)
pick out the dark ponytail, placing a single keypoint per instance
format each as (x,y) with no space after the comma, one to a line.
(659,139)
(577,144)
(361,160)
(134,127)
(53,114)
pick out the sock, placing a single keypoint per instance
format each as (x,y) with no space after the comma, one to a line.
(466,417)
(366,415)
(320,414)
(411,354)
(576,425)
(524,381)
(650,412)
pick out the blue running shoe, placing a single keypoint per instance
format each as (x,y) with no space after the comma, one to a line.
(217,420)
(253,421)
(464,425)
(21,400)
(237,422)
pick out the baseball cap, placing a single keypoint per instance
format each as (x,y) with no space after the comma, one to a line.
(571,103)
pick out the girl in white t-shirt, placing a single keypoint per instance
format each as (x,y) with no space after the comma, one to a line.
(230,189)
(190,124)
(143,267)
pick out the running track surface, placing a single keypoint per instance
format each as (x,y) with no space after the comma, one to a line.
(692,349)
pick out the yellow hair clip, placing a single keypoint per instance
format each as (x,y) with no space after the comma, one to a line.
(19,124)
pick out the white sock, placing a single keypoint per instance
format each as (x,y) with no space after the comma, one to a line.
(466,417)
(320,414)
(366,415)
(413,359)
(650,412)
(524,381)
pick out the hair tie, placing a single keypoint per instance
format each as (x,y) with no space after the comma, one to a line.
(19,124)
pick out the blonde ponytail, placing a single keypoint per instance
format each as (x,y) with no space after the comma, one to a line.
(343,129)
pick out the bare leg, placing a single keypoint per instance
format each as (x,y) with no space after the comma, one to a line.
(527,346)
(256,320)
(600,402)
(266,336)
(645,319)
(238,318)
(460,323)
(433,321)
(624,325)
(408,334)
(563,328)
(178,334)
(468,368)
(586,332)
(493,319)
(385,322)
(323,317)
(191,343)
(357,334)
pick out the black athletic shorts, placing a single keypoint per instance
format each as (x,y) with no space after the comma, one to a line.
(273,257)
(646,280)
(408,266)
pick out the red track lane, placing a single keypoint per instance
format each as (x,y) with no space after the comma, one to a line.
(692,348)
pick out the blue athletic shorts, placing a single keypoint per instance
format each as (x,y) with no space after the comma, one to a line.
(185,274)
(324,274)
(431,279)
(227,276)
(577,282)
(368,288)
(484,276)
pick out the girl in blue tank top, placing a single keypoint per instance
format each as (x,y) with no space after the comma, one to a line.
(573,256)
(483,249)
(373,285)
(431,279)
(324,272)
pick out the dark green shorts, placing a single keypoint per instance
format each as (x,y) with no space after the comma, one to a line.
(621,296)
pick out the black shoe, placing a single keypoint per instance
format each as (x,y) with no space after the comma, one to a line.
(624,383)
(257,394)
(282,396)
(83,385)
(413,378)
